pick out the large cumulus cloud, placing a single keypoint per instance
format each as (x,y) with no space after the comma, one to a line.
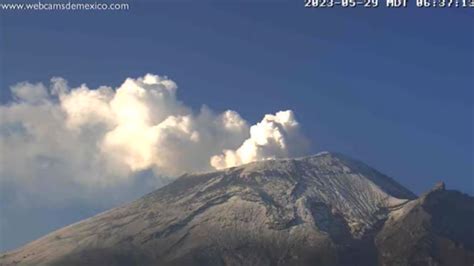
(56,135)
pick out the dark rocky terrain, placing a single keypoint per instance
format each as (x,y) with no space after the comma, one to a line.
(325,209)
(435,229)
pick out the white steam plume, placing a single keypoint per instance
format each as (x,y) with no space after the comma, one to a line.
(276,136)
(59,135)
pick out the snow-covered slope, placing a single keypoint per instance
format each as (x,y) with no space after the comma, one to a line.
(314,210)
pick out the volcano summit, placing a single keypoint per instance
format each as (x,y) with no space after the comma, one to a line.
(325,209)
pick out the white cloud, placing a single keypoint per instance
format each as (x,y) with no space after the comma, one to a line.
(31,93)
(82,139)
(276,136)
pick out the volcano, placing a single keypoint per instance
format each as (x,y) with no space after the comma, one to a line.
(326,209)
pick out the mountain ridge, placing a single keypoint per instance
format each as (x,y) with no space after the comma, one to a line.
(326,209)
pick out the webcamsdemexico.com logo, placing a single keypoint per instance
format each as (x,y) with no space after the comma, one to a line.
(69,6)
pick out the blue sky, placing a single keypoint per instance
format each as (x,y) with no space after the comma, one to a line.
(392,88)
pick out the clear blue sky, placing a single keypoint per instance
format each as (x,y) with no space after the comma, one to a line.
(392,88)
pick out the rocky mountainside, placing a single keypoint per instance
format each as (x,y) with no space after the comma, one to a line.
(325,209)
(436,229)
